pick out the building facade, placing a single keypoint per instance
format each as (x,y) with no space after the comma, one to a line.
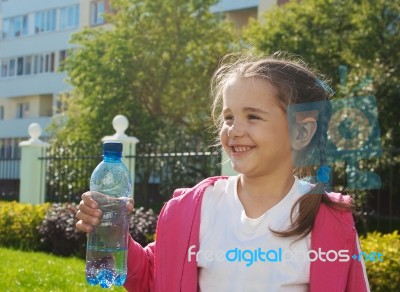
(34,41)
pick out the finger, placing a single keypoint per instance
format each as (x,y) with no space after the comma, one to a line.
(130,205)
(80,225)
(88,200)
(87,219)
(85,209)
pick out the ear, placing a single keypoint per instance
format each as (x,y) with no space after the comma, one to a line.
(304,131)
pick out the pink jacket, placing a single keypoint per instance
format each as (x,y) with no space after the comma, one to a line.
(162,266)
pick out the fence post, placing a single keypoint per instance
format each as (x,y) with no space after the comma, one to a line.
(120,124)
(32,174)
(226,167)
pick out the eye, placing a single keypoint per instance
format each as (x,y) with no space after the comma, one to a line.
(254,117)
(228,118)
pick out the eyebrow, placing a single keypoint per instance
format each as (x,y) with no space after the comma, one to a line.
(255,110)
(248,109)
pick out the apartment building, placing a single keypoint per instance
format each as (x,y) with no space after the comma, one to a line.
(34,41)
(240,11)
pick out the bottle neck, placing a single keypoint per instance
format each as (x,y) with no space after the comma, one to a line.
(110,156)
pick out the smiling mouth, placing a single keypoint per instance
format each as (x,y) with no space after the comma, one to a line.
(238,149)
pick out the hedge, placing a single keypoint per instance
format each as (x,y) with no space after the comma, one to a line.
(18,224)
(382,275)
(58,234)
(51,228)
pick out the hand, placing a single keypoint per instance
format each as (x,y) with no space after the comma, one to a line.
(89,213)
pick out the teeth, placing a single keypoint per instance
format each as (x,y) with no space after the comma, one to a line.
(241,149)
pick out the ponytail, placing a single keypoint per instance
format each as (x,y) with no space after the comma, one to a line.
(303,222)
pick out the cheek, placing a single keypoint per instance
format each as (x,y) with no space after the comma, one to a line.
(223,135)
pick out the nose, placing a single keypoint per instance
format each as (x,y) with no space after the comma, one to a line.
(236,130)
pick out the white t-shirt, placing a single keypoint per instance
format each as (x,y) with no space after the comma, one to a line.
(241,254)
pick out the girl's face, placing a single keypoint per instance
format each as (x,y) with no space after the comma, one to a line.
(255,132)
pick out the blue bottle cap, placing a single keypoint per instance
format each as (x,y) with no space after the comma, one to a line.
(112,147)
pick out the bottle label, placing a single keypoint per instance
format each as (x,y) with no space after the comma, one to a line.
(108,219)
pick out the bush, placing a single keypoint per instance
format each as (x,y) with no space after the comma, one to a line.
(142,225)
(383,275)
(18,224)
(58,234)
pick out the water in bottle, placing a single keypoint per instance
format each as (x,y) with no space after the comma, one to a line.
(106,252)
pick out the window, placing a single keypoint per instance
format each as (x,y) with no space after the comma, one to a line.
(28,65)
(62,56)
(4,68)
(11,70)
(20,66)
(45,21)
(31,64)
(15,26)
(49,65)
(12,67)
(9,148)
(23,110)
(6,28)
(25,25)
(44,63)
(1,112)
(97,10)
(38,65)
(69,17)
(5,147)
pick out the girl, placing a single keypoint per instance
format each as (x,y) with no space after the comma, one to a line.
(264,229)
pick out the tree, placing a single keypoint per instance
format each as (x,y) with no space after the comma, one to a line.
(152,62)
(363,35)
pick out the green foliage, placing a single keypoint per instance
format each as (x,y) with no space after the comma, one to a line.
(152,63)
(36,271)
(363,35)
(18,224)
(383,275)
(58,234)
(142,225)
(51,228)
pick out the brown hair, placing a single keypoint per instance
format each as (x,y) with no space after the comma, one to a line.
(296,85)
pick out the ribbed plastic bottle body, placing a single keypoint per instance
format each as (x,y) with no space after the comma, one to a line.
(106,253)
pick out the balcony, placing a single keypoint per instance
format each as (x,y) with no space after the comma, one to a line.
(39,84)
(16,128)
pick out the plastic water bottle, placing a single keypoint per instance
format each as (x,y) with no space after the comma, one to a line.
(106,252)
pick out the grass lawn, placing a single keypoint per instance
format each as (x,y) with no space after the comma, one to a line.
(34,271)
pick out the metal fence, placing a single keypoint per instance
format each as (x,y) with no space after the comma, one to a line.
(9,178)
(67,172)
(10,157)
(378,209)
(381,207)
(157,172)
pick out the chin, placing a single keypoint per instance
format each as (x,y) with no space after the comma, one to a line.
(238,169)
